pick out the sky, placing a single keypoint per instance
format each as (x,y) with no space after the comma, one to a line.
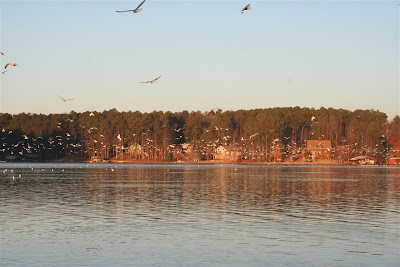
(314,54)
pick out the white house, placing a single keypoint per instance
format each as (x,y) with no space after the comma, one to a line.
(228,153)
(363,160)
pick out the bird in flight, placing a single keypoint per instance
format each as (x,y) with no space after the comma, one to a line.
(136,10)
(247,7)
(12,64)
(153,81)
(1,53)
(65,100)
(254,135)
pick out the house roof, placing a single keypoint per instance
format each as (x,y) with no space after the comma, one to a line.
(362,158)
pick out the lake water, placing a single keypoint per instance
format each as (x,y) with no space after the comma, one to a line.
(190,215)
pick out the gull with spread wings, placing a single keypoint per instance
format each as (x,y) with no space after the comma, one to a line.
(65,100)
(12,64)
(153,81)
(247,7)
(136,10)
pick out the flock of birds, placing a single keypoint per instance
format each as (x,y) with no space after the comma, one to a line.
(136,10)
(139,8)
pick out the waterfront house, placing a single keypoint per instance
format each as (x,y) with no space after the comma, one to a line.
(228,153)
(363,160)
(135,150)
(394,161)
(98,158)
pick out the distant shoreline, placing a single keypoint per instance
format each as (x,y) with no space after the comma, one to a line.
(158,162)
(321,162)
(203,162)
(255,163)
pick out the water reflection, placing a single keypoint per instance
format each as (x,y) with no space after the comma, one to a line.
(197,215)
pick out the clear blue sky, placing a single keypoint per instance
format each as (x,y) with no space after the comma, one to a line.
(281,53)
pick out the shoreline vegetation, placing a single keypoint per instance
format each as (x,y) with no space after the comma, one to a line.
(281,136)
(210,162)
(322,162)
(202,162)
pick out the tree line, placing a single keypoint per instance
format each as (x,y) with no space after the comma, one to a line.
(257,131)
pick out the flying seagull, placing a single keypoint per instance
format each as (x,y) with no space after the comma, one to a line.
(248,7)
(153,81)
(65,100)
(136,10)
(12,64)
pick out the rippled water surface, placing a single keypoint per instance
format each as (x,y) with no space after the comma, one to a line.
(174,215)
